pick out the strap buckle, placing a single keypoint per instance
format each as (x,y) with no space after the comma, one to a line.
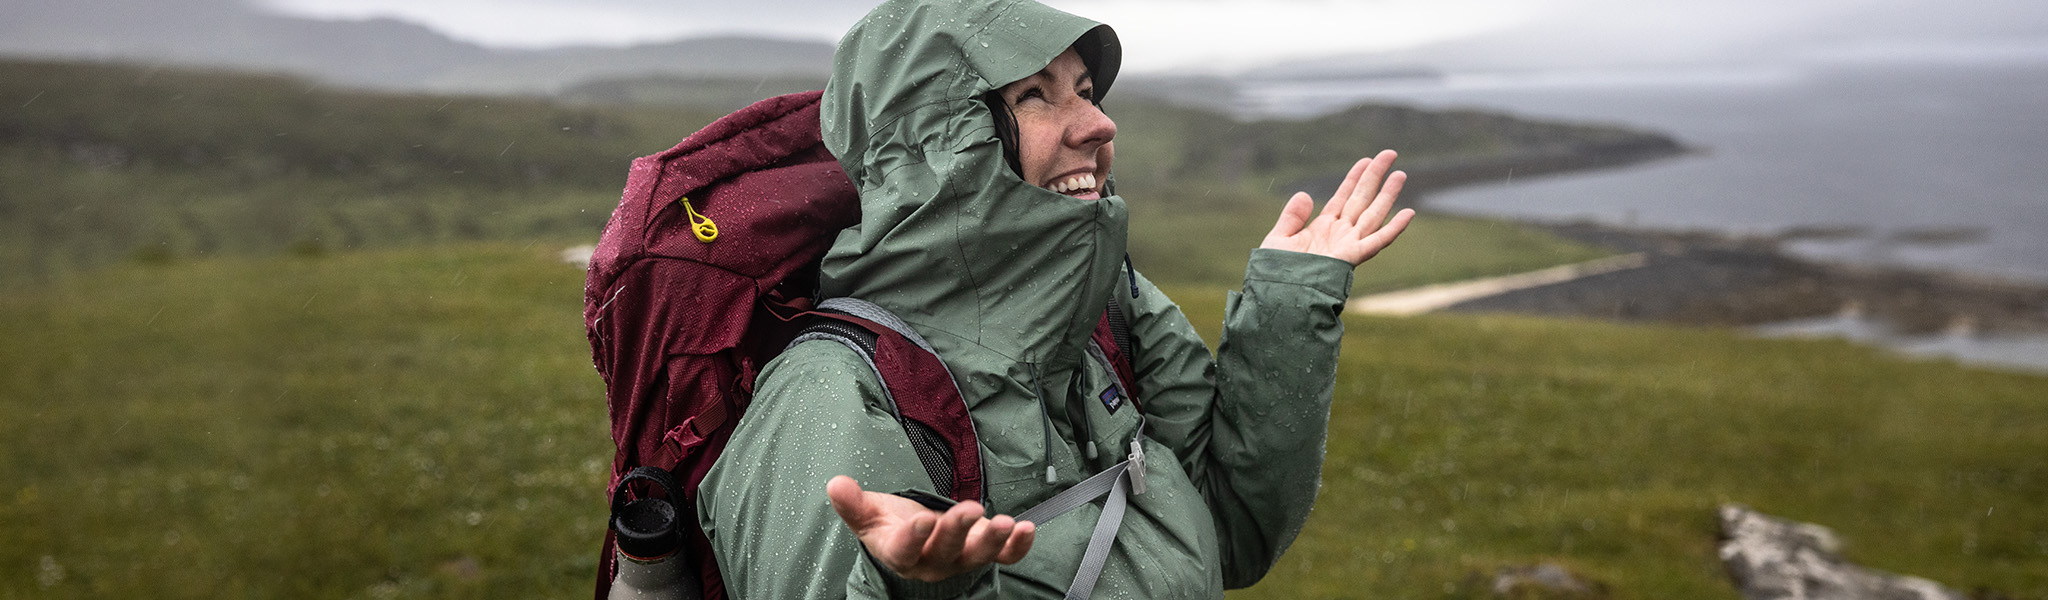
(1137,468)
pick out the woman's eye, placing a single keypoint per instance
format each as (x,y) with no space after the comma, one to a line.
(1029,94)
(1087,94)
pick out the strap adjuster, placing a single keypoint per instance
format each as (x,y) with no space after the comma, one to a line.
(1137,469)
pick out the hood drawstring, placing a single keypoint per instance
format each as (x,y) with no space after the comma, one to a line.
(1083,428)
(1051,474)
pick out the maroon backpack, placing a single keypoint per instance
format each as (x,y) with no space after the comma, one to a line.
(708,269)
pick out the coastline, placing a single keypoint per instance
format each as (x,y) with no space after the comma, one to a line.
(1709,279)
(1716,279)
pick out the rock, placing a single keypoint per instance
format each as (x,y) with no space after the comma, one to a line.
(1777,559)
(1545,580)
(579,255)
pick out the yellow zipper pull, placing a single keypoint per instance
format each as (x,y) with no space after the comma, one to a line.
(700,224)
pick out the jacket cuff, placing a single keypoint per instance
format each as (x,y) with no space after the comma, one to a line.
(905,588)
(1322,273)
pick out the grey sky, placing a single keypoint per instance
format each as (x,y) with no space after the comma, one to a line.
(1225,35)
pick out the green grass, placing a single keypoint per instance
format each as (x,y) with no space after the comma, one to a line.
(70,219)
(1460,445)
(406,424)
(424,423)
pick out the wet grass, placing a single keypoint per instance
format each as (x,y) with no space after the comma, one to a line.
(404,424)
(1460,445)
(424,423)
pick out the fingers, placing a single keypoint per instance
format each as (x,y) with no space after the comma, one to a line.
(1367,186)
(1335,207)
(1375,215)
(950,537)
(1371,245)
(986,540)
(902,549)
(1019,544)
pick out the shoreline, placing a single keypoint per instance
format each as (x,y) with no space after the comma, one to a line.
(1709,279)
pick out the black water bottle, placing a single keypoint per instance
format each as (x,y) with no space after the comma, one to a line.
(651,565)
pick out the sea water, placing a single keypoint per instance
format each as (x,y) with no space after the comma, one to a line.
(1921,163)
(1930,162)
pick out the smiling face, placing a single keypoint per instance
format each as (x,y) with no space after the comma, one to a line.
(1063,139)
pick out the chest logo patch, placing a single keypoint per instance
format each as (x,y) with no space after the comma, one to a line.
(1111,399)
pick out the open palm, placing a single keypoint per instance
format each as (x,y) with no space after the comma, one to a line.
(1353,226)
(924,544)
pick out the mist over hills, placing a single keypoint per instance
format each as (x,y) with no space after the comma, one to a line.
(376,53)
(394,55)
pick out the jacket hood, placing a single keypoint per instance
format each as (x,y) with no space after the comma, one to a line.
(950,238)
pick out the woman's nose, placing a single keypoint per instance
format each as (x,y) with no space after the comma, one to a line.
(1090,127)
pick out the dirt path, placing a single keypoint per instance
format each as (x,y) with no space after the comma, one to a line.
(1441,296)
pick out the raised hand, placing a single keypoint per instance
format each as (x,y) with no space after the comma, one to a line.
(1353,226)
(923,544)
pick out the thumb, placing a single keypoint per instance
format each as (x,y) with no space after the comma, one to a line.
(1293,217)
(850,503)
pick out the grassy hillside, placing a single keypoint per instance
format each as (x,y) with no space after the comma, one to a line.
(1162,144)
(102,164)
(424,423)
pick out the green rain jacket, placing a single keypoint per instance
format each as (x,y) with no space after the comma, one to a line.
(1006,280)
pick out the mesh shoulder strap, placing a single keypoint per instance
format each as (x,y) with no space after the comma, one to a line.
(916,387)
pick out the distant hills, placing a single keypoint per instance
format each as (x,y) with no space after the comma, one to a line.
(100,162)
(377,53)
(391,55)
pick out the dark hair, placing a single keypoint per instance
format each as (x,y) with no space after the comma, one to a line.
(1006,128)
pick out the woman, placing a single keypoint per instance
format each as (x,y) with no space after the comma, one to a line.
(1001,249)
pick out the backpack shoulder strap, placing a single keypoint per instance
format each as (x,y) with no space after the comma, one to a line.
(916,386)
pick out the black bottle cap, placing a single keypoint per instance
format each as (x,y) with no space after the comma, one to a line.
(646,528)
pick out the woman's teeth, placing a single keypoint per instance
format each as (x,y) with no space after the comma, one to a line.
(1077,183)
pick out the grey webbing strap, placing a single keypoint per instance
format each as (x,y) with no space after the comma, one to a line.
(1116,481)
(1097,554)
(881,316)
(1082,493)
